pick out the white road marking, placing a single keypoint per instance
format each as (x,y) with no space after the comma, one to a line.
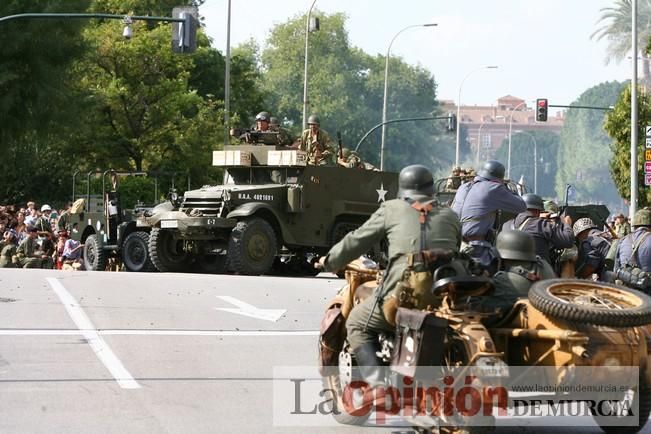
(145,332)
(246,309)
(89,332)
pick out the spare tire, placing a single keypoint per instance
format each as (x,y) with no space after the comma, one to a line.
(590,302)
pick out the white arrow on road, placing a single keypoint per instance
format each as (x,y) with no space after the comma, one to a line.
(246,309)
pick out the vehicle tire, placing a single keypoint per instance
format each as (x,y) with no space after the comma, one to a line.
(135,252)
(642,399)
(252,247)
(165,252)
(590,302)
(94,253)
(340,229)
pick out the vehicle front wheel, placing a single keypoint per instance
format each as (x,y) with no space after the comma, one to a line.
(252,247)
(166,252)
(135,252)
(94,254)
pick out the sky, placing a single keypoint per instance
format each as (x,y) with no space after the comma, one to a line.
(542,48)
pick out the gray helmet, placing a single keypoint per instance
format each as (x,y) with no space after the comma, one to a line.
(642,217)
(516,246)
(583,224)
(492,170)
(263,116)
(313,119)
(533,201)
(414,181)
(273,121)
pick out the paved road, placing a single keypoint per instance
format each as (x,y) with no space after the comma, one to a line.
(127,352)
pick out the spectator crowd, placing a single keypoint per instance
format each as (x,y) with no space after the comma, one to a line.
(36,237)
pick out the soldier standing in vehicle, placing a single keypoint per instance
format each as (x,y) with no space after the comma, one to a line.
(284,137)
(635,248)
(454,182)
(520,268)
(622,228)
(399,222)
(317,144)
(546,234)
(477,203)
(592,249)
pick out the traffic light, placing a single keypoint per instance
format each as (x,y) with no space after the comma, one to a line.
(184,34)
(541,110)
(452,123)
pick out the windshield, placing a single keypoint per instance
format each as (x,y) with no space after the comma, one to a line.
(262,175)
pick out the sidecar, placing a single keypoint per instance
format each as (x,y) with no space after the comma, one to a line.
(566,324)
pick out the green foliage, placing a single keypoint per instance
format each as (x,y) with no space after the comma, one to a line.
(618,126)
(522,159)
(584,150)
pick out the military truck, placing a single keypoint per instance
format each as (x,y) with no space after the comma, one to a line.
(107,231)
(271,206)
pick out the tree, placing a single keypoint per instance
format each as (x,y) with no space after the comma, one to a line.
(584,150)
(522,158)
(618,126)
(616,29)
(346,91)
(35,97)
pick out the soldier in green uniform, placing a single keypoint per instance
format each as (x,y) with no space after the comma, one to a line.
(519,269)
(399,222)
(28,254)
(352,160)
(8,249)
(317,144)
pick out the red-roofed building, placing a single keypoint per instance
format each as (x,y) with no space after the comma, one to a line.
(489,125)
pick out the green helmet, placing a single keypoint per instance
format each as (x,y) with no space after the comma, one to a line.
(516,246)
(273,121)
(583,224)
(551,206)
(492,170)
(414,181)
(642,217)
(263,116)
(313,119)
(533,201)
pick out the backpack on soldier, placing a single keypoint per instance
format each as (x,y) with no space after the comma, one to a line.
(631,274)
(414,290)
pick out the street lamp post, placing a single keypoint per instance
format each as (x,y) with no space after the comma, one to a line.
(227,78)
(634,115)
(386,87)
(535,159)
(508,163)
(458,148)
(307,33)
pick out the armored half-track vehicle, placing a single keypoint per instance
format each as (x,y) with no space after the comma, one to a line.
(271,208)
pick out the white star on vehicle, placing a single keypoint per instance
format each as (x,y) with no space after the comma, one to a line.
(381,193)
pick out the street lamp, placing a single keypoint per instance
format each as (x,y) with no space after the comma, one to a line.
(535,159)
(508,164)
(458,149)
(479,138)
(386,84)
(227,79)
(307,33)
(634,115)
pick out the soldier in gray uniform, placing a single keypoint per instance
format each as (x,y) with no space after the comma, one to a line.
(477,203)
(638,240)
(546,233)
(519,269)
(593,249)
(399,222)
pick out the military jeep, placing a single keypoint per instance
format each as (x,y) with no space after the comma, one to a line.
(271,208)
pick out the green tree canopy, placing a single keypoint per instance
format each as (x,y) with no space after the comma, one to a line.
(585,147)
(618,126)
